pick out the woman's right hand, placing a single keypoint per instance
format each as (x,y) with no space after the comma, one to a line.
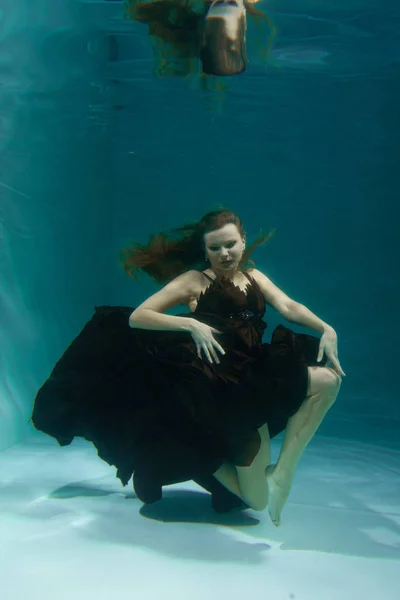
(203,337)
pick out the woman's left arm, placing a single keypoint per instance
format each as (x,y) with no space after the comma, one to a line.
(300,314)
(295,312)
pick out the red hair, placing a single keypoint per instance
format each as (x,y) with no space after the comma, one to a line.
(174,251)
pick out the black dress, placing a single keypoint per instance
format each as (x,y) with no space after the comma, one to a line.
(150,405)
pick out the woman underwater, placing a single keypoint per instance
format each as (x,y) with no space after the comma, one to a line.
(170,398)
(212,31)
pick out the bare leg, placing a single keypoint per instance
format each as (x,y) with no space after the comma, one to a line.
(324,385)
(249,483)
(227,475)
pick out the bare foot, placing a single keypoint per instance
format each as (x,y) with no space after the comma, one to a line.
(279,486)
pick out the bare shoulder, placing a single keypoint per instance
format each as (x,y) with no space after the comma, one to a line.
(176,292)
(259,277)
(256,274)
(188,282)
(274,296)
(193,279)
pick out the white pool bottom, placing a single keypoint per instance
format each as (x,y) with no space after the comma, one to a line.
(69,530)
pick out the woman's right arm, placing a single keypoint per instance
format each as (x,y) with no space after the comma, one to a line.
(181,290)
(150,314)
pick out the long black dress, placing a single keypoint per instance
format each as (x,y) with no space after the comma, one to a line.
(150,405)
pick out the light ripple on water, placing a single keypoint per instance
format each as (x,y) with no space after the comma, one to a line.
(299,56)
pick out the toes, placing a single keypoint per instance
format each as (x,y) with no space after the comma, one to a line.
(273,517)
(276,520)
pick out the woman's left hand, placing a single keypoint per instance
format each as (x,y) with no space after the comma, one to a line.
(328,344)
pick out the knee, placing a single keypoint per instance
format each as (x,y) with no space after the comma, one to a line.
(323,378)
(324,383)
(331,380)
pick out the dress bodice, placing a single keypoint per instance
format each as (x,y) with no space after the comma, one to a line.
(241,310)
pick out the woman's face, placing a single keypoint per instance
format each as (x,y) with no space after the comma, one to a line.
(224,248)
(230,11)
(226,8)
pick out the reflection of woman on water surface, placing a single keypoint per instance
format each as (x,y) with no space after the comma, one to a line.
(214,32)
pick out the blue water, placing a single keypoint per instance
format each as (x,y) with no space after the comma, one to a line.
(96,152)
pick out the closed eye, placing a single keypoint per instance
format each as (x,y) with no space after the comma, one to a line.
(216,248)
(228,2)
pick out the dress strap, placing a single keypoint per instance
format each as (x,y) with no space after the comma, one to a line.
(208,277)
(248,277)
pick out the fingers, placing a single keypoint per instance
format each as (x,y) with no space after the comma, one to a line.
(214,347)
(215,330)
(206,352)
(198,348)
(210,351)
(332,358)
(337,367)
(214,355)
(218,347)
